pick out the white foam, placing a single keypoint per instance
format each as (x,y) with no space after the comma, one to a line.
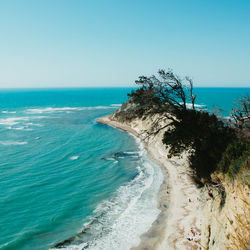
(110,159)
(133,211)
(9,143)
(115,105)
(75,157)
(119,222)
(12,120)
(199,106)
(99,107)
(20,123)
(20,128)
(8,112)
(50,110)
(63,109)
(34,124)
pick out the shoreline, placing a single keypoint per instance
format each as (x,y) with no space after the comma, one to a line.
(178,199)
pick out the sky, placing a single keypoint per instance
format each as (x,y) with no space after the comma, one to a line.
(89,43)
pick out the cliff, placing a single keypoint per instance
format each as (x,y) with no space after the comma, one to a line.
(225,216)
(218,212)
(179,197)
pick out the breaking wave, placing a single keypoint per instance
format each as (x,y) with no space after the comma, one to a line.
(65,109)
(118,223)
(75,157)
(8,112)
(9,143)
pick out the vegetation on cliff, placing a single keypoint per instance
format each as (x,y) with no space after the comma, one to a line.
(215,145)
(235,159)
(219,151)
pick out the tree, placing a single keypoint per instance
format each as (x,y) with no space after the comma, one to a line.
(167,93)
(170,96)
(206,135)
(241,114)
(166,90)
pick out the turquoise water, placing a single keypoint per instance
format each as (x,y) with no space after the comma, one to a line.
(223,98)
(61,172)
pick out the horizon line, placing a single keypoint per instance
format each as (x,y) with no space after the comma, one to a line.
(107,86)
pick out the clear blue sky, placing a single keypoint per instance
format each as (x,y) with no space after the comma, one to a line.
(59,43)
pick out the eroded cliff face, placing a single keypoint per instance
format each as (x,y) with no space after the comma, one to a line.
(146,128)
(224,207)
(225,216)
(180,200)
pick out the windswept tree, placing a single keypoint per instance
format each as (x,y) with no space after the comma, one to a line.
(166,94)
(173,99)
(167,91)
(241,114)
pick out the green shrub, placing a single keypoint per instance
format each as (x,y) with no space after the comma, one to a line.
(206,135)
(214,144)
(235,158)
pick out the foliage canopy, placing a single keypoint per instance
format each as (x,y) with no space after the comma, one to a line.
(204,133)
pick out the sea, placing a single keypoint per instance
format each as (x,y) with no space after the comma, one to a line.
(68,182)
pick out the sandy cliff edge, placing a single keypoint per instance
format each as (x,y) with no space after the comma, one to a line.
(179,220)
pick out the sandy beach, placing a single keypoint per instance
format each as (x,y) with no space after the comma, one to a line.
(178,224)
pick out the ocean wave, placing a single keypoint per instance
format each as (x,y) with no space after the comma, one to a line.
(8,112)
(75,157)
(21,123)
(99,107)
(9,143)
(115,105)
(118,223)
(13,120)
(50,110)
(33,124)
(63,109)
(109,159)
(20,128)
(198,106)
